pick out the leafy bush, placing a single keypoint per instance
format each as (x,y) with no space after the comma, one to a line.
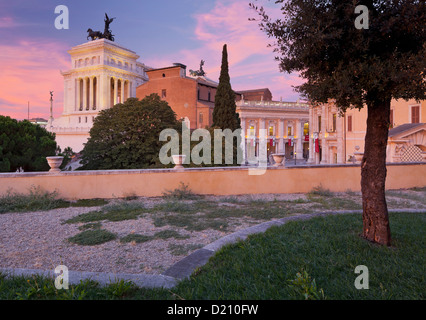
(126,136)
(24,145)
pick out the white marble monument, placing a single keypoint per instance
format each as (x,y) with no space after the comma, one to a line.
(103,74)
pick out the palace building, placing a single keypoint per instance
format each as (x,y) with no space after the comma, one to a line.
(192,98)
(286,125)
(102,74)
(336,139)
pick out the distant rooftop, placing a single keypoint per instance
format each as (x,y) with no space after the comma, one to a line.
(253,90)
(403,127)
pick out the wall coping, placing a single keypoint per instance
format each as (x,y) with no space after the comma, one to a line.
(185,170)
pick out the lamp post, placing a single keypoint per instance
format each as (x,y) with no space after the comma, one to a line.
(51,109)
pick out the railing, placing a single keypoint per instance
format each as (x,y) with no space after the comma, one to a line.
(69,129)
(274,104)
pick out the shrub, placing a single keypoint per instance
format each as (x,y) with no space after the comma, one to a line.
(36,199)
(92,237)
(180,193)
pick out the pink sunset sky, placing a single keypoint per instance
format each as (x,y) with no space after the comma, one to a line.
(33,51)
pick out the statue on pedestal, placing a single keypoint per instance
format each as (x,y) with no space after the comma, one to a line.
(199,73)
(99,35)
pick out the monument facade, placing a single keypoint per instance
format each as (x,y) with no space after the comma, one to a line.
(103,74)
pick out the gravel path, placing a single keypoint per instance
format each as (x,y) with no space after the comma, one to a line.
(38,240)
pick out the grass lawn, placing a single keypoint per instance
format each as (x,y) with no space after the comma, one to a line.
(313,259)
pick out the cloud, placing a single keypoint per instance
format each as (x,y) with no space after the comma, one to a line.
(30,69)
(10,22)
(251,61)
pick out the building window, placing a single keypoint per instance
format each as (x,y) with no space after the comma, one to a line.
(164,75)
(319,123)
(415,114)
(289,131)
(271,130)
(198,93)
(251,131)
(79,119)
(200,117)
(349,123)
(163,93)
(86,119)
(209,95)
(333,129)
(305,128)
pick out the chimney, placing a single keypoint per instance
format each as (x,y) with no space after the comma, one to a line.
(183,68)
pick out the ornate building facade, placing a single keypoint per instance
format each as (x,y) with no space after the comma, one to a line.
(102,74)
(338,139)
(285,123)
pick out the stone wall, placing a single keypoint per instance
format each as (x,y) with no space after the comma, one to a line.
(215,181)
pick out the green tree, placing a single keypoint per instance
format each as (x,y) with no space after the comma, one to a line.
(24,145)
(224,112)
(126,136)
(68,153)
(356,67)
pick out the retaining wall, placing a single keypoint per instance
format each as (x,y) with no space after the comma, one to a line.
(215,181)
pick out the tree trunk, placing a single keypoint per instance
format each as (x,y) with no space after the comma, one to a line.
(373,174)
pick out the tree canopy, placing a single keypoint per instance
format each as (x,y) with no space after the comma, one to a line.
(224,112)
(353,66)
(126,136)
(24,145)
(356,67)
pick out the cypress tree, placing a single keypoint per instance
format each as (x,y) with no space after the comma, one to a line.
(224,112)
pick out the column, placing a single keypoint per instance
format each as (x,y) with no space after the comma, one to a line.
(311,158)
(262,154)
(78,98)
(90,92)
(99,92)
(324,147)
(122,91)
(340,143)
(103,93)
(84,93)
(261,126)
(243,140)
(281,136)
(106,97)
(298,133)
(115,90)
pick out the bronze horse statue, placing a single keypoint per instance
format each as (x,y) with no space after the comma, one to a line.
(107,32)
(94,34)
